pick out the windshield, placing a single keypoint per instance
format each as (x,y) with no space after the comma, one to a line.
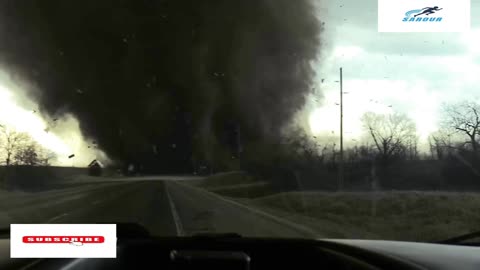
(283,118)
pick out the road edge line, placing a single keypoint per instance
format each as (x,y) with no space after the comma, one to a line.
(304,230)
(173,210)
(56,217)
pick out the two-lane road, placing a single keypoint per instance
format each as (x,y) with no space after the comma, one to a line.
(165,205)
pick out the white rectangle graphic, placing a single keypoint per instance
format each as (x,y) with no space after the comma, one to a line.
(63,240)
(424,15)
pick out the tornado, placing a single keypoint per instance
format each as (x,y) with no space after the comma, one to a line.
(169,83)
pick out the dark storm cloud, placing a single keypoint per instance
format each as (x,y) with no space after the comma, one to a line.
(170,73)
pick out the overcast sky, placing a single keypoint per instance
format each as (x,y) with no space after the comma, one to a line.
(412,72)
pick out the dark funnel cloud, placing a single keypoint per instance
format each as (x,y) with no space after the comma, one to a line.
(171,83)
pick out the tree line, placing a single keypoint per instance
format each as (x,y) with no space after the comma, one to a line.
(390,146)
(393,137)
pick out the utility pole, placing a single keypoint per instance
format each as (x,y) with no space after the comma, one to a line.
(239,146)
(340,175)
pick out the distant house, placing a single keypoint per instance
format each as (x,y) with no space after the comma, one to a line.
(95,168)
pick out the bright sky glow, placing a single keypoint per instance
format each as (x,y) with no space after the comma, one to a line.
(29,122)
(63,139)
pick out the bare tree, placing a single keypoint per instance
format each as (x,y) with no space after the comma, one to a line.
(10,142)
(441,144)
(392,134)
(46,157)
(463,118)
(412,148)
(27,155)
(18,148)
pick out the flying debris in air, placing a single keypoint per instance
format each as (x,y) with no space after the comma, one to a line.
(211,80)
(71,156)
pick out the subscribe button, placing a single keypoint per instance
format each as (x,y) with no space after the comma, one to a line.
(63,241)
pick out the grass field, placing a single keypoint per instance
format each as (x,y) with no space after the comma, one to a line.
(226,179)
(411,216)
(234,184)
(390,215)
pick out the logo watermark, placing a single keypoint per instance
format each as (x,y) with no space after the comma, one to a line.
(423,16)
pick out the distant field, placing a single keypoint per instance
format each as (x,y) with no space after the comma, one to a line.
(235,184)
(34,178)
(392,215)
(412,216)
(226,179)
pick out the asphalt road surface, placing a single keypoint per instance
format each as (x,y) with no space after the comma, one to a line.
(166,206)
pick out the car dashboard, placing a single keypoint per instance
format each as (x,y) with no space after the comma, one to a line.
(235,252)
